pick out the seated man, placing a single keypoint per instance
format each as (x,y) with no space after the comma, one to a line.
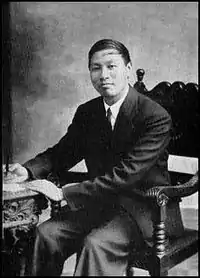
(123,137)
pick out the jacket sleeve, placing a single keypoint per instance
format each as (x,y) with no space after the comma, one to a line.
(132,168)
(64,155)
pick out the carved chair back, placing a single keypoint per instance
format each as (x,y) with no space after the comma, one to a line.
(181,101)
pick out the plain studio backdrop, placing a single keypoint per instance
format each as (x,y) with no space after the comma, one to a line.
(50,43)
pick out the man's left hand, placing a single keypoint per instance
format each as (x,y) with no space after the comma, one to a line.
(47,188)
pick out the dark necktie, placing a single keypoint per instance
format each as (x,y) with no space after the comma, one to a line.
(108,116)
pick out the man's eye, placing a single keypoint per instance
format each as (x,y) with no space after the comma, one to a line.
(111,66)
(95,68)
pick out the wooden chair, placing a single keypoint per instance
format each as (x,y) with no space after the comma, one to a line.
(180,100)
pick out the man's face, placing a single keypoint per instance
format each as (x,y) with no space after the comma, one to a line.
(109,74)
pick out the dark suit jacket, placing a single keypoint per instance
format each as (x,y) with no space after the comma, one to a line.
(133,155)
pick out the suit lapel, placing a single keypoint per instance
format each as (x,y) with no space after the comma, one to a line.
(124,122)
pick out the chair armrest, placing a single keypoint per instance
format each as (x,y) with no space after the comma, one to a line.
(163,193)
(160,195)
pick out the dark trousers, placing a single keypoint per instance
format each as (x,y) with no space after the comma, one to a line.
(102,238)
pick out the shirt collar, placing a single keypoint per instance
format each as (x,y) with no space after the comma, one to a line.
(116,106)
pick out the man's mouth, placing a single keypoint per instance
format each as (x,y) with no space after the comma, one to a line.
(106,84)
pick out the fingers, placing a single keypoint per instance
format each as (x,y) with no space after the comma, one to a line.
(16,173)
(34,189)
(33,186)
(36,185)
(39,189)
(11,167)
(45,187)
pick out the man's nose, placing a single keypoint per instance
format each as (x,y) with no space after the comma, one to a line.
(104,73)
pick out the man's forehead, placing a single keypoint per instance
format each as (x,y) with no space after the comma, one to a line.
(105,52)
(109,51)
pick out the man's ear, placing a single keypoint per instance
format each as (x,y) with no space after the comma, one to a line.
(129,70)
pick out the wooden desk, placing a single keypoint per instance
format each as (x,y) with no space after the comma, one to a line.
(20,216)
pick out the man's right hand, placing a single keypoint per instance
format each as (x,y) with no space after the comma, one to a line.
(16,173)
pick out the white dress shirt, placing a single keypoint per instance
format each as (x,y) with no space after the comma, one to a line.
(114,109)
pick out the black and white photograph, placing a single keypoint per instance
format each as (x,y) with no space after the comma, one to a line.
(100,139)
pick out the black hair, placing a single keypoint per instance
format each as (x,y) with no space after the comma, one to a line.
(107,44)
